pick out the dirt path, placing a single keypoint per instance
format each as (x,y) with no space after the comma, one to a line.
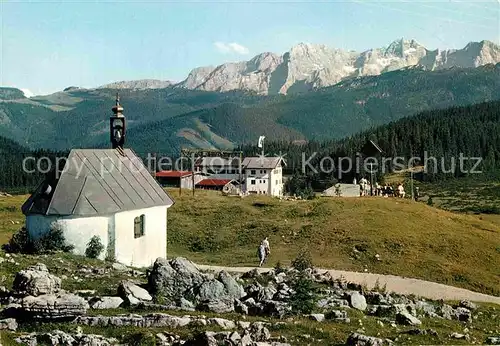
(397,284)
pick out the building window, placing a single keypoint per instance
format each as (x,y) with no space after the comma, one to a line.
(139,226)
(252,181)
(252,172)
(276,182)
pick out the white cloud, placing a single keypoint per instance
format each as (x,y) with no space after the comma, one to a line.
(231,48)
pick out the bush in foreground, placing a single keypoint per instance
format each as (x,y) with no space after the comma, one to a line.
(94,247)
(303,261)
(21,242)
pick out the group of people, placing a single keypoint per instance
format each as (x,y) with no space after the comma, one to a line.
(384,191)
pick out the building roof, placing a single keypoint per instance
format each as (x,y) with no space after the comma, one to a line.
(97,182)
(214,182)
(264,162)
(172,174)
(215,161)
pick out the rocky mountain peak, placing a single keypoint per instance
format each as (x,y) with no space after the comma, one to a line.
(307,66)
(402,48)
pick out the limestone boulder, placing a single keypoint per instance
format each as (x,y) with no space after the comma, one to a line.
(36,280)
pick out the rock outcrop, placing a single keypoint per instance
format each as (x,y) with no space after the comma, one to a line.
(48,307)
(36,280)
(179,282)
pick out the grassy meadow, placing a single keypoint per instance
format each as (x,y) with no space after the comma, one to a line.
(412,239)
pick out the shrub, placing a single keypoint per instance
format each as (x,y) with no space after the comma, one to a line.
(21,242)
(140,339)
(52,241)
(94,247)
(279,268)
(110,256)
(303,261)
(304,298)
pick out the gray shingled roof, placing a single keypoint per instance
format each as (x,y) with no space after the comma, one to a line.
(98,182)
(265,162)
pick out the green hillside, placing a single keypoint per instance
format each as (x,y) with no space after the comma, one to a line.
(411,239)
(165,119)
(445,134)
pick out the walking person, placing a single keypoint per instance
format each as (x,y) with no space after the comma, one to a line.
(264,251)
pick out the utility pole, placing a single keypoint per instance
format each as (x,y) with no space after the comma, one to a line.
(180,179)
(240,164)
(371,179)
(411,184)
(192,173)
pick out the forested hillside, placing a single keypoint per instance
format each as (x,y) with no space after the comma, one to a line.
(473,131)
(20,168)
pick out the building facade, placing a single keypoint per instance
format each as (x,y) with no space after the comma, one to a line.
(263,175)
(219,167)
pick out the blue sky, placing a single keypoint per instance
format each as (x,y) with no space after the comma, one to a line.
(49,45)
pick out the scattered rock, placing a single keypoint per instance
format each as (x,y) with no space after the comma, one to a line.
(133,294)
(36,280)
(58,337)
(357,301)
(493,340)
(222,322)
(317,317)
(463,314)
(468,305)
(337,315)
(48,306)
(106,302)
(175,278)
(459,336)
(8,323)
(406,318)
(217,306)
(120,267)
(357,339)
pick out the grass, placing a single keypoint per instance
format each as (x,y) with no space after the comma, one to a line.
(412,239)
(477,195)
(11,218)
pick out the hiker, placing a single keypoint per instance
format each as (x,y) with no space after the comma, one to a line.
(264,251)
(417,194)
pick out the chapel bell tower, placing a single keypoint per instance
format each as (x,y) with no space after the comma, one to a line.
(117,126)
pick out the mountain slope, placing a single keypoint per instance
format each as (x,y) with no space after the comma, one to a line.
(311,66)
(165,119)
(332,112)
(79,117)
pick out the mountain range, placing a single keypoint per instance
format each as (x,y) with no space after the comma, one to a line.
(311,66)
(311,92)
(166,119)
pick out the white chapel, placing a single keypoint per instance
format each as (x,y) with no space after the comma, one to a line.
(107,193)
